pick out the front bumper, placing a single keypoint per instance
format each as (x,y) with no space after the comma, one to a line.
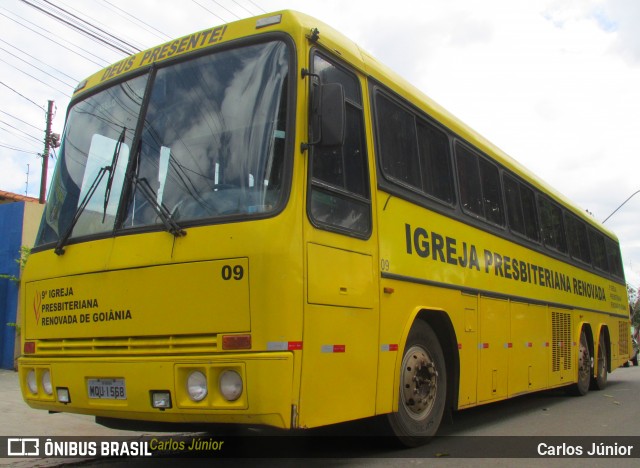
(267,395)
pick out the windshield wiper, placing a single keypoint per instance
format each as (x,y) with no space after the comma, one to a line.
(59,250)
(112,170)
(163,213)
(134,182)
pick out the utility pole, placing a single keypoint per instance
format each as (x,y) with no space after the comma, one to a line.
(45,154)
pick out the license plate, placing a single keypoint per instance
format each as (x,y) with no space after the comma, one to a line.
(107,389)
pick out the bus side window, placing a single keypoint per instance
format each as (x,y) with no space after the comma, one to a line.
(614,259)
(552,226)
(598,250)
(469,181)
(521,208)
(398,143)
(578,240)
(339,181)
(480,189)
(414,153)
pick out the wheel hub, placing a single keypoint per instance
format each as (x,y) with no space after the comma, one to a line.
(419,383)
(584,362)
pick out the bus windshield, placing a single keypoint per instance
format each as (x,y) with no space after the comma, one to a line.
(208,147)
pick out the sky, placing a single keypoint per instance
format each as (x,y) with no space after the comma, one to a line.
(553,83)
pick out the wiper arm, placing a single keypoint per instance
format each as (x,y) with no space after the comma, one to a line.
(169,223)
(59,250)
(112,170)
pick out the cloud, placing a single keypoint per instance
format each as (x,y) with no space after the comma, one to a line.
(13,175)
(623,17)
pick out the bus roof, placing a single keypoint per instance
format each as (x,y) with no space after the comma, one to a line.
(299,25)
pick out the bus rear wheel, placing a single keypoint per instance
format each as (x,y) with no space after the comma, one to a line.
(423,388)
(581,387)
(599,381)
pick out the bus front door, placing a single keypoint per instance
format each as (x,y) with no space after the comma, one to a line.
(340,337)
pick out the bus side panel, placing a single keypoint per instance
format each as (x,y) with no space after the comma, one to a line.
(339,365)
(529,357)
(494,347)
(468,349)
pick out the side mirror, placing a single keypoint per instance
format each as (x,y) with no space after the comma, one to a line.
(332,114)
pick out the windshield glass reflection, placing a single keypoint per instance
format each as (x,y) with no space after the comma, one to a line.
(213,140)
(211,147)
(98,134)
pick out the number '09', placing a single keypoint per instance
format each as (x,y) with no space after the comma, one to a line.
(235,272)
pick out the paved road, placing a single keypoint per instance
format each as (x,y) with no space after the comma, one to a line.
(614,412)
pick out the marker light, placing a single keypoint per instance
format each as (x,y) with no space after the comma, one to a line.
(31,382)
(268,21)
(230,384)
(197,386)
(46,382)
(63,395)
(80,86)
(236,341)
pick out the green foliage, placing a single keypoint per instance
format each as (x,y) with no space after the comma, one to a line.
(634,303)
(24,255)
(21,261)
(14,325)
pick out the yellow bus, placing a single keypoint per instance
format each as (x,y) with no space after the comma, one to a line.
(259,223)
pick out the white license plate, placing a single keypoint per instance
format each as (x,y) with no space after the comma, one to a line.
(107,389)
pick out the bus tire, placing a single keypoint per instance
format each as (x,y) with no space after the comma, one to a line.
(599,381)
(423,388)
(581,387)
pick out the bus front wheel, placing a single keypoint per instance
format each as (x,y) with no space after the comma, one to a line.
(423,388)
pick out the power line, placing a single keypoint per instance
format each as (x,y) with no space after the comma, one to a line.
(19,149)
(258,6)
(83,26)
(17,135)
(131,41)
(49,33)
(75,80)
(37,68)
(124,14)
(99,31)
(92,35)
(21,95)
(19,119)
(37,79)
(226,9)
(243,7)
(205,8)
(21,131)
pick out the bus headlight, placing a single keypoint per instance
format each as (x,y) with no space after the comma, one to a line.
(32,383)
(197,386)
(230,384)
(46,382)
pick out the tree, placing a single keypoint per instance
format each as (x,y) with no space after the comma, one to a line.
(634,304)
